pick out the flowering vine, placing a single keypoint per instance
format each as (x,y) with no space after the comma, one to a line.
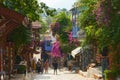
(103,12)
(55,27)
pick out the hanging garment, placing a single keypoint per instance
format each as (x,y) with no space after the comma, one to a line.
(75,29)
(56,52)
(48,45)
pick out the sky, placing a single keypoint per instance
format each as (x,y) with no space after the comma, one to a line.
(59,3)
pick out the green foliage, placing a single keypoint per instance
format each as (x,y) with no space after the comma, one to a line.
(87,17)
(110,35)
(87,20)
(66,48)
(102,35)
(49,12)
(20,36)
(21,69)
(90,35)
(44,27)
(65,26)
(64,37)
(115,65)
(110,74)
(63,19)
(101,20)
(30,8)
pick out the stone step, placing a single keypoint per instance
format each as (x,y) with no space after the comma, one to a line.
(92,73)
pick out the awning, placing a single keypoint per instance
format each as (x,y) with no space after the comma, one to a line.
(76,51)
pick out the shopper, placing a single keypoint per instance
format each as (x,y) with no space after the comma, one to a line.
(41,67)
(46,65)
(38,65)
(55,66)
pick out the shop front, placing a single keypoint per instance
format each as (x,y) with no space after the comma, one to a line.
(9,20)
(82,57)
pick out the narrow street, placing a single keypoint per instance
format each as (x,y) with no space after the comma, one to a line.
(77,41)
(62,75)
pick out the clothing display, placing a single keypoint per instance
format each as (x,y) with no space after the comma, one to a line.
(75,29)
(48,45)
(56,52)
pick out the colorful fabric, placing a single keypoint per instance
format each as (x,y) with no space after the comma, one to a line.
(48,45)
(75,29)
(70,37)
(56,52)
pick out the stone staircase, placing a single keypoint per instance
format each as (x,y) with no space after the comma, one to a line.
(92,72)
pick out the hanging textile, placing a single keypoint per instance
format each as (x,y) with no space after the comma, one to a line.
(48,45)
(75,29)
(56,52)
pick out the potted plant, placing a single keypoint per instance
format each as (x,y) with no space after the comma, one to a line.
(21,69)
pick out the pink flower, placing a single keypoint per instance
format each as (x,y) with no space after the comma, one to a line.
(70,37)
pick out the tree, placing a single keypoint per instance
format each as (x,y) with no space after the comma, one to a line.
(48,11)
(21,37)
(99,15)
(87,21)
(44,27)
(63,24)
(30,8)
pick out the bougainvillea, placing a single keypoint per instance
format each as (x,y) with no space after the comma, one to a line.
(55,27)
(70,37)
(102,13)
(73,40)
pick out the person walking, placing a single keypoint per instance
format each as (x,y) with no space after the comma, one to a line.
(38,65)
(33,63)
(41,67)
(46,65)
(55,66)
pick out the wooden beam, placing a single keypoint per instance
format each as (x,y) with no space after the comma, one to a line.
(11,14)
(17,17)
(3,23)
(10,28)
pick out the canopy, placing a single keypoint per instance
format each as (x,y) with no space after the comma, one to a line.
(76,51)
